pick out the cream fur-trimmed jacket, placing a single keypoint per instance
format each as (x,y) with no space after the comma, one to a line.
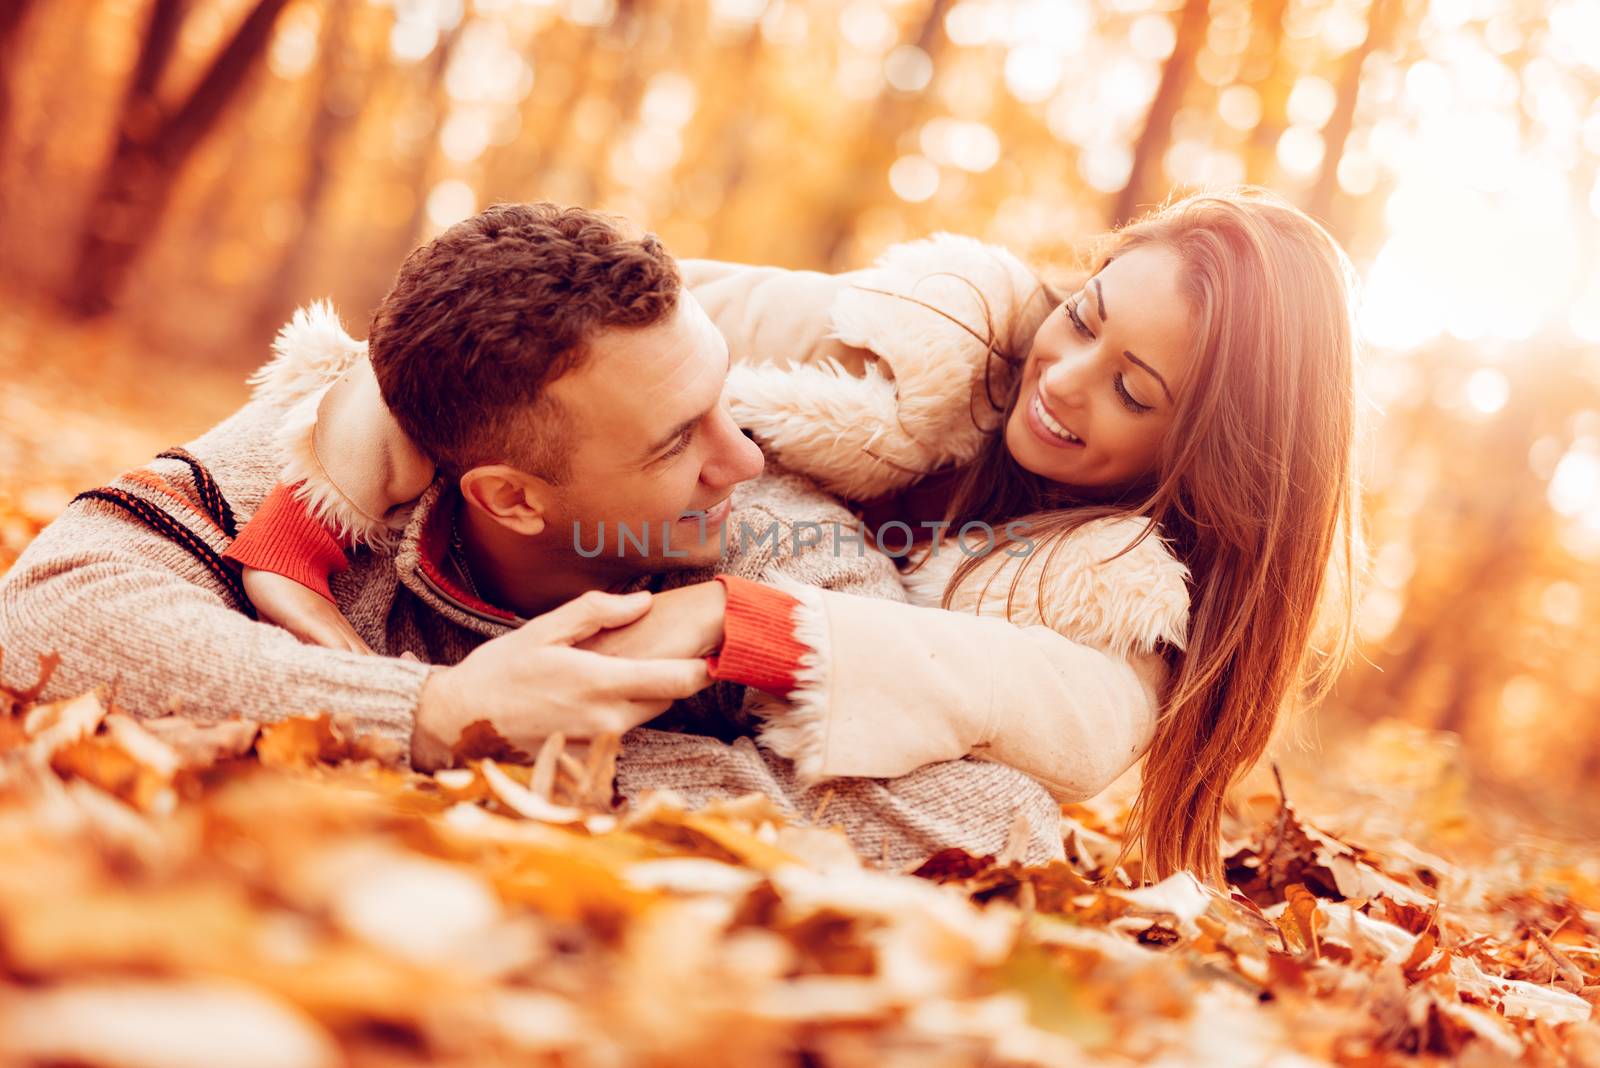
(858,380)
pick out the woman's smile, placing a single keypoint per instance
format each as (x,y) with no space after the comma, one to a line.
(1108,359)
(1048,429)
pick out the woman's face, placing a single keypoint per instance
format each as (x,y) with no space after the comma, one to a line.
(1100,383)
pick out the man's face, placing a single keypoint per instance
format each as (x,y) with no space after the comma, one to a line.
(651,440)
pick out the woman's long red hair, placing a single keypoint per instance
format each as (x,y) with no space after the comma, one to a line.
(1254,491)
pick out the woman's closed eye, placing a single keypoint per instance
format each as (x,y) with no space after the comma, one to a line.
(1077,321)
(1127,398)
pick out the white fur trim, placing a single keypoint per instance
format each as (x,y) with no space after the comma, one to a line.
(797,728)
(925,584)
(834,426)
(310,352)
(939,358)
(921,404)
(1072,585)
(295,439)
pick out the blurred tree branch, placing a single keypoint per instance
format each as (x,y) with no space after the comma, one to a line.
(1380,18)
(337,100)
(13,15)
(1157,133)
(152,144)
(875,146)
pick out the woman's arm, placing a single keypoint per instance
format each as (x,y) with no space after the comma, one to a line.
(886,688)
(773,316)
(877,689)
(1057,670)
(838,376)
(287,558)
(354,466)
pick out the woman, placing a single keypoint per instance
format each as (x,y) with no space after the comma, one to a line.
(1198,385)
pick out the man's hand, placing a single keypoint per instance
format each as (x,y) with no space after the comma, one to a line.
(681,623)
(530,683)
(308,616)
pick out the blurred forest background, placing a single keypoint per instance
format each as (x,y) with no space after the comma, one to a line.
(176,176)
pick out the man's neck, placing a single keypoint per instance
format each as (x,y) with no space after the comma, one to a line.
(527,575)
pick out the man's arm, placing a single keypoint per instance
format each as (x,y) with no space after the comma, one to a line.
(125,607)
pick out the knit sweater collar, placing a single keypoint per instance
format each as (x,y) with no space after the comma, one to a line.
(422,562)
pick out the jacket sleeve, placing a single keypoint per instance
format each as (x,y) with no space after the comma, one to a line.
(338,444)
(773,316)
(283,537)
(355,467)
(890,687)
(759,648)
(866,380)
(1050,660)
(127,608)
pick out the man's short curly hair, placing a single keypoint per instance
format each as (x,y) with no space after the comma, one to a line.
(485,316)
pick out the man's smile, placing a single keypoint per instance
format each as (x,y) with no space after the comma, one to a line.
(713,516)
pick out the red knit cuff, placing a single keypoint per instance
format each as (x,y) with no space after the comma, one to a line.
(283,538)
(759,647)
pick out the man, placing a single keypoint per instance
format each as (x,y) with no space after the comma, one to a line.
(552,366)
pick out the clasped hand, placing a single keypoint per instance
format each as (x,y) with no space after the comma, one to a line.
(600,664)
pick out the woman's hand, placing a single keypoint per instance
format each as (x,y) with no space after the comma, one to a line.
(685,622)
(308,616)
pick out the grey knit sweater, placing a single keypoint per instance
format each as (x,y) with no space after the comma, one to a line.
(129,608)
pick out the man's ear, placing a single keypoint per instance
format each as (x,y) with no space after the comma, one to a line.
(511,497)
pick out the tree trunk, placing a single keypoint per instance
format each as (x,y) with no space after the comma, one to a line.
(422,162)
(417,173)
(627,26)
(740,129)
(335,111)
(1267,71)
(532,177)
(1157,132)
(152,146)
(1337,134)
(875,146)
(13,14)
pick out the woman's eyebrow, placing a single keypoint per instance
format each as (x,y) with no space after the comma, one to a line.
(1100,303)
(1154,373)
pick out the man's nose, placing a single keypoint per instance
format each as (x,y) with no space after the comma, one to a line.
(738,460)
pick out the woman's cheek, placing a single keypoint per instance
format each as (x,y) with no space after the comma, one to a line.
(1145,448)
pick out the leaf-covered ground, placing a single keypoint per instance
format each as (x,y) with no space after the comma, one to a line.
(176,893)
